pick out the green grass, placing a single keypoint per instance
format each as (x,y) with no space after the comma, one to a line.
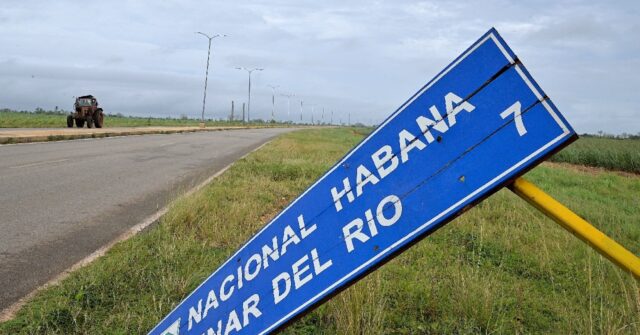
(13,119)
(502,267)
(608,153)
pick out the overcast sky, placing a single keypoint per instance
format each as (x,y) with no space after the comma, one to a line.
(362,57)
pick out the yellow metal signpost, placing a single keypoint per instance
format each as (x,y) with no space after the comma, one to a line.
(577,226)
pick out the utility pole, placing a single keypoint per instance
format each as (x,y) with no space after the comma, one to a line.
(243,121)
(273,101)
(249,93)
(206,75)
(232,105)
(301,102)
(289,95)
(349,123)
(322,114)
(332,117)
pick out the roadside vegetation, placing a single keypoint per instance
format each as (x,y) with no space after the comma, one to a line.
(58,119)
(610,153)
(502,267)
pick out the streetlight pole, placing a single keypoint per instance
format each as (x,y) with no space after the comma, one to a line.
(301,102)
(206,75)
(249,94)
(289,95)
(273,101)
(313,111)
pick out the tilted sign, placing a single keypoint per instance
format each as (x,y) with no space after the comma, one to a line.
(477,125)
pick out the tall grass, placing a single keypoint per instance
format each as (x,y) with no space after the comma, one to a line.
(502,267)
(361,309)
(608,153)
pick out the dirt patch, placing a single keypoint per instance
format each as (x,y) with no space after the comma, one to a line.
(592,170)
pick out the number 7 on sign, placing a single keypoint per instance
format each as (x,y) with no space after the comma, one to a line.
(515,109)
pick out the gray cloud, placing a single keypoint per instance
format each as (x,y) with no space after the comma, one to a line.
(358,57)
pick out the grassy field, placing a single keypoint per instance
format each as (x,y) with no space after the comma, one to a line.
(608,153)
(12,119)
(502,267)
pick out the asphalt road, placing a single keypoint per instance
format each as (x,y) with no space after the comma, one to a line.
(61,201)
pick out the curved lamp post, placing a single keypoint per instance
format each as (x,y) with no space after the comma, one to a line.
(249,94)
(206,76)
(273,101)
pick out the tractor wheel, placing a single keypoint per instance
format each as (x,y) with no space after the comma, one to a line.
(70,121)
(89,122)
(79,123)
(98,119)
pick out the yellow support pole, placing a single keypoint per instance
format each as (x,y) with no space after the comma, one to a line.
(577,226)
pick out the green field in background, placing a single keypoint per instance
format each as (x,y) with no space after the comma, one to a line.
(12,119)
(608,153)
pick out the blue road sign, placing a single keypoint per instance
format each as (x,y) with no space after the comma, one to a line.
(480,123)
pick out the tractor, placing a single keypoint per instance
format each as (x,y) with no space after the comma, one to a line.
(86,110)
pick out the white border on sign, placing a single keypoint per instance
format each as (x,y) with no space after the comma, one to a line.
(565,132)
(533,89)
